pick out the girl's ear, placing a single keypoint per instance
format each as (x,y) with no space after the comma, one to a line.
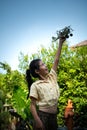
(36,71)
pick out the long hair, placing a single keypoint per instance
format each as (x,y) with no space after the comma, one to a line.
(34,65)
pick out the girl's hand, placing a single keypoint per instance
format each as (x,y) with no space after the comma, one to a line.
(61,40)
(39,124)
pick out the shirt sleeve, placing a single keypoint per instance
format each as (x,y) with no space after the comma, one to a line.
(33,91)
(53,72)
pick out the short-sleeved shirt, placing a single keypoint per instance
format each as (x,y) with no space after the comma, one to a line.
(46,91)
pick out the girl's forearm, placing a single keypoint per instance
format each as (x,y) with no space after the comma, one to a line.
(57,56)
(33,111)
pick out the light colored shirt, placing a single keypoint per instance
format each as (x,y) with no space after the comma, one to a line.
(46,91)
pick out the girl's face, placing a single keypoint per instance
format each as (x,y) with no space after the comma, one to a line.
(43,70)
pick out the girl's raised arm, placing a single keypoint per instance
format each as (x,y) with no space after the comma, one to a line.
(57,56)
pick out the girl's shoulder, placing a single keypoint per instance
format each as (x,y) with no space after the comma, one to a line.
(52,72)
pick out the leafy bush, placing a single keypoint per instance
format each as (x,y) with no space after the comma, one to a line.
(20,102)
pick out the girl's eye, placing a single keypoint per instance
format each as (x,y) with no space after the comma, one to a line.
(42,64)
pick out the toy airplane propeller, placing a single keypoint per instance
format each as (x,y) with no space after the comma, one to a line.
(65,32)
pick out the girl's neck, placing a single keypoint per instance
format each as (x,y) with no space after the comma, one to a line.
(41,77)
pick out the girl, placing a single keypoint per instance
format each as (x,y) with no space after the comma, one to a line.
(44,92)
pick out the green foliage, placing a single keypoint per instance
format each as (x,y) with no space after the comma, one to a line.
(5,66)
(72,79)
(20,102)
(9,81)
(23,62)
(2,99)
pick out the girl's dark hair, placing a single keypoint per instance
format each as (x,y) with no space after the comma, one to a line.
(34,65)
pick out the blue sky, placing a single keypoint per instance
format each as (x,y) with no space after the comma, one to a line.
(25,25)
